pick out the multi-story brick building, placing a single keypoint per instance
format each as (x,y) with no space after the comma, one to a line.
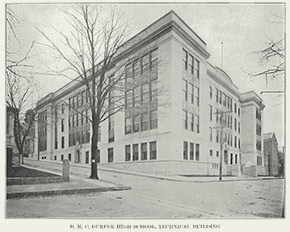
(177,130)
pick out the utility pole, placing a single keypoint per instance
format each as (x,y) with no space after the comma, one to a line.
(223,114)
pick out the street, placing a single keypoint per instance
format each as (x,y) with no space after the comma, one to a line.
(155,198)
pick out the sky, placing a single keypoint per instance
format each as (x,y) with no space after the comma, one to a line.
(243,29)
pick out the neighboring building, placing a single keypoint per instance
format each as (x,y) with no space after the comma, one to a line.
(271,161)
(10,141)
(178,131)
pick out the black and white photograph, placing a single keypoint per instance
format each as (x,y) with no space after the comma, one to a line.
(144,110)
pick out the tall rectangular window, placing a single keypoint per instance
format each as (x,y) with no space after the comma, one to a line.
(145,93)
(196,122)
(153,119)
(136,69)
(210,112)
(210,152)
(135,152)
(136,123)
(185,59)
(217,116)
(191,92)
(217,153)
(239,127)
(153,91)
(143,151)
(153,59)
(197,151)
(110,155)
(221,97)
(69,157)
(191,121)
(217,136)
(62,125)
(210,92)
(235,124)
(185,150)
(191,151)
(62,142)
(145,63)
(144,121)
(128,124)
(217,95)
(235,108)
(191,64)
(196,93)
(129,99)
(185,89)
(127,152)
(210,134)
(153,151)
(98,156)
(235,141)
(184,119)
(196,68)
(224,99)
(136,96)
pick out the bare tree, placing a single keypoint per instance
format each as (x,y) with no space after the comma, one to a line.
(272,57)
(19,83)
(89,50)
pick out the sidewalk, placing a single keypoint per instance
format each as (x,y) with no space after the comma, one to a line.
(76,185)
(196,179)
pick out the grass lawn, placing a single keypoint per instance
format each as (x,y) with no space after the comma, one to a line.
(26,172)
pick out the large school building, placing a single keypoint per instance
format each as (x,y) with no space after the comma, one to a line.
(187,108)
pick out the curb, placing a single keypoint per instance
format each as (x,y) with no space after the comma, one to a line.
(13,195)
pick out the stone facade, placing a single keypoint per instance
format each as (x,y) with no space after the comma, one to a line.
(271,162)
(198,102)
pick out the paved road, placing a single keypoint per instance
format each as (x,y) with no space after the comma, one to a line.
(154,198)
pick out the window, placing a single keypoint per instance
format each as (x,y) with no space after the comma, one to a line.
(196,68)
(239,144)
(128,125)
(62,142)
(127,152)
(210,134)
(145,63)
(55,157)
(143,151)
(217,136)
(145,93)
(210,112)
(196,93)
(69,157)
(111,134)
(185,150)
(135,152)
(185,59)
(197,151)
(210,152)
(185,89)
(136,123)
(62,125)
(110,155)
(153,151)
(226,157)
(221,97)
(258,115)
(235,125)
(87,157)
(258,129)
(239,112)
(144,121)
(88,136)
(191,91)
(217,153)
(136,96)
(217,95)
(258,145)
(184,119)
(235,108)
(191,151)
(61,158)
(236,158)
(235,141)
(62,108)
(232,158)
(196,122)
(136,69)
(191,64)
(153,59)
(153,85)
(224,99)
(129,98)
(239,127)
(190,121)
(153,119)
(210,92)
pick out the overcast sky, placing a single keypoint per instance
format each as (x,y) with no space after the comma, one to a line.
(243,28)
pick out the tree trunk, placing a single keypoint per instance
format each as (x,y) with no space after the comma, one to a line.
(94,149)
